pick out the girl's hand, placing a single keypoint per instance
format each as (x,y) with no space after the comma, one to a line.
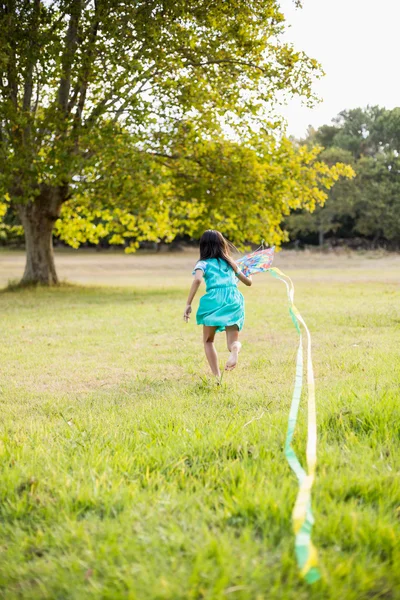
(186,314)
(246,279)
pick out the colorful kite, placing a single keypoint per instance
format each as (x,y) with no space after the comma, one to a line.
(257,261)
(303,520)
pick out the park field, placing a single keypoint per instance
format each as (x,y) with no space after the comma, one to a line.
(126,473)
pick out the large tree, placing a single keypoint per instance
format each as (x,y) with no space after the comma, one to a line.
(112,110)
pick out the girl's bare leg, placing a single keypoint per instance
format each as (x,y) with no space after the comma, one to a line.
(234,347)
(211,353)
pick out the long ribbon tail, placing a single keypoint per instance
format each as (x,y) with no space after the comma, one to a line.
(303,520)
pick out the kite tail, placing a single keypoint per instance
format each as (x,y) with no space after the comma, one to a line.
(303,520)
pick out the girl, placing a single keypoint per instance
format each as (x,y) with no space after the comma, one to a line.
(222,306)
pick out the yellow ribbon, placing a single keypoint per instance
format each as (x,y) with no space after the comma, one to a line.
(302,516)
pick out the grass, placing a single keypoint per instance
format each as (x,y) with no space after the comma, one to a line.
(126,474)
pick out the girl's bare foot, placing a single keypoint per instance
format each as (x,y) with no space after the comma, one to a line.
(234,356)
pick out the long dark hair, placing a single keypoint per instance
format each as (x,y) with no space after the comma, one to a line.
(214,245)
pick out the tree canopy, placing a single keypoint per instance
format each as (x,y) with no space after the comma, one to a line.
(148,119)
(368,206)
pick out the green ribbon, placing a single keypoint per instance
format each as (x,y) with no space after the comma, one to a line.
(303,520)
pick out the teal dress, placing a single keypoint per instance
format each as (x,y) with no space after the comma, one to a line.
(222,305)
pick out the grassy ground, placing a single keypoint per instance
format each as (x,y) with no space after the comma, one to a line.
(126,474)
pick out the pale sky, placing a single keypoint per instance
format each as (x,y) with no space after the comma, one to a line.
(357,43)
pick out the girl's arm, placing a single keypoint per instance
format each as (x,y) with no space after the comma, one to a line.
(198,276)
(243,278)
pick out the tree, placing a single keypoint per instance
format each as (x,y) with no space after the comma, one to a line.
(378,199)
(243,189)
(368,140)
(96,96)
(338,212)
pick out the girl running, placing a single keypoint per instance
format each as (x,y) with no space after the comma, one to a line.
(222,306)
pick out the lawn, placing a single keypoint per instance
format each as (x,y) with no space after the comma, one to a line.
(125,473)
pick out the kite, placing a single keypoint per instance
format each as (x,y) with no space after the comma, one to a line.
(302,517)
(256,262)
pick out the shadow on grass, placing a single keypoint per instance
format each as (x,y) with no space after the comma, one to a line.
(93,293)
(16,286)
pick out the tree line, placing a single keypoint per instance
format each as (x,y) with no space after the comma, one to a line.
(365,210)
(359,211)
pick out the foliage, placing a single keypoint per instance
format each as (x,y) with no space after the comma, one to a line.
(369,206)
(10,230)
(127,474)
(72,69)
(127,117)
(242,189)
(337,214)
(378,205)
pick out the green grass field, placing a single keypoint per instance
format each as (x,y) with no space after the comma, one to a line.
(126,474)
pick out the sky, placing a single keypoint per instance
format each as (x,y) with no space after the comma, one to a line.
(357,43)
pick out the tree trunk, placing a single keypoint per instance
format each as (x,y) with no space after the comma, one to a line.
(321,237)
(38,220)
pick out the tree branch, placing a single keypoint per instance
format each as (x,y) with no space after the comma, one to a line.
(108,101)
(244,63)
(163,155)
(11,64)
(69,54)
(37,93)
(74,97)
(80,91)
(89,59)
(28,83)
